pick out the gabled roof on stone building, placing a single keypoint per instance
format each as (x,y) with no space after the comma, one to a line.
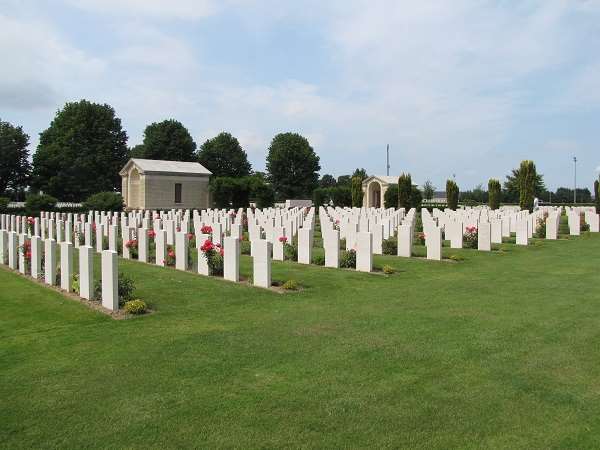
(166,167)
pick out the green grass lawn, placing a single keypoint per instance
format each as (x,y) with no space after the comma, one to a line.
(501,350)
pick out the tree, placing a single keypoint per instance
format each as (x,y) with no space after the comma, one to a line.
(428,190)
(327,181)
(357,192)
(527,184)
(168,140)
(494,191)
(344,180)
(224,157)
(292,166)
(81,152)
(137,151)
(230,192)
(404,191)
(511,186)
(416,197)
(452,194)
(104,201)
(14,163)
(390,198)
(597,195)
(362,173)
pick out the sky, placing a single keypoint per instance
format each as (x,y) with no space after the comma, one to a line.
(463,87)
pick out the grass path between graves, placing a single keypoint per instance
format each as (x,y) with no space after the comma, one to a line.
(501,350)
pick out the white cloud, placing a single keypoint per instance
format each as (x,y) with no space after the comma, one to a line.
(157,9)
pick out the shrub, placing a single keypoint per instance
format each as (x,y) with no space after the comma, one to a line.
(388,270)
(126,288)
(4,204)
(318,259)
(290,285)
(390,246)
(348,259)
(245,247)
(470,237)
(404,191)
(584,226)
(39,202)
(452,194)
(290,251)
(540,229)
(75,287)
(357,193)
(494,192)
(104,201)
(136,307)
(390,198)
(420,238)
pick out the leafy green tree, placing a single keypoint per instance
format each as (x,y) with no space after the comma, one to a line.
(168,140)
(137,151)
(230,192)
(81,152)
(261,191)
(512,190)
(224,157)
(404,191)
(494,192)
(565,195)
(428,190)
(416,197)
(327,181)
(4,204)
(104,201)
(344,180)
(527,184)
(357,192)
(390,198)
(14,163)
(597,195)
(35,203)
(292,166)
(362,173)
(452,194)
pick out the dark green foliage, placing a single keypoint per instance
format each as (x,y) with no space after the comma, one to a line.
(39,202)
(565,195)
(245,247)
(344,180)
(428,190)
(404,191)
(527,184)
(327,181)
(339,195)
(318,259)
(361,173)
(230,192)
(512,187)
(348,259)
(452,194)
(494,192)
(4,204)
(81,153)
(104,201)
(293,166)
(290,251)
(477,196)
(390,198)
(416,198)
(14,163)
(168,140)
(224,157)
(261,191)
(357,192)
(597,195)
(390,246)
(126,288)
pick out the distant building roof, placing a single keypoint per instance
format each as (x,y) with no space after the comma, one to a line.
(159,166)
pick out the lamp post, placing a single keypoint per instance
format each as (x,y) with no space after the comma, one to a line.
(575,179)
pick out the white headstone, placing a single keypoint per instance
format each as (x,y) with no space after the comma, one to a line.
(364,251)
(231,259)
(261,263)
(66,265)
(50,261)
(110,280)
(86,272)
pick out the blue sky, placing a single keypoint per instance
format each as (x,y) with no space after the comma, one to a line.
(465,87)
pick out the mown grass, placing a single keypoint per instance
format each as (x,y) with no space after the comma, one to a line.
(497,351)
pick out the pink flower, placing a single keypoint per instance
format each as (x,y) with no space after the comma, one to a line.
(283,239)
(151,234)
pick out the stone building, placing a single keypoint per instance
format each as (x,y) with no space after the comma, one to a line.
(154,184)
(374,188)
